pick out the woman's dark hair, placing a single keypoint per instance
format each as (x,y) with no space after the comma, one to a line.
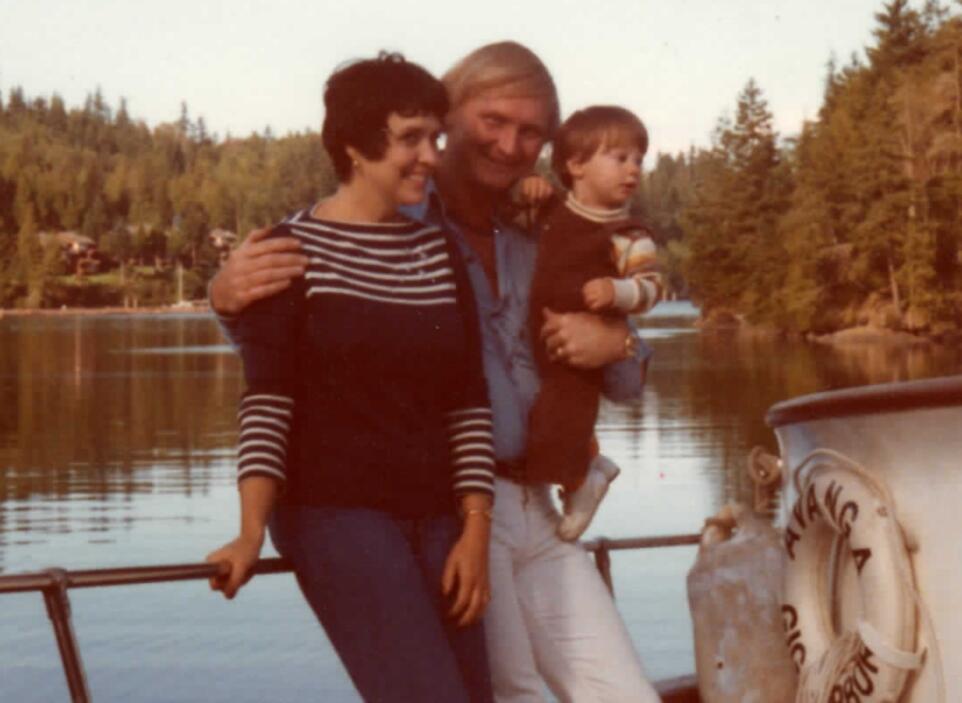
(360,96)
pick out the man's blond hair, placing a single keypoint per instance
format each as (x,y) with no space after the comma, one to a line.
(506,67)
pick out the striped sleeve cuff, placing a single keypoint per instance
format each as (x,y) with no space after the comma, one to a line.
(651,290)
(472,450)
(638,261)
(265,425)
(627,294)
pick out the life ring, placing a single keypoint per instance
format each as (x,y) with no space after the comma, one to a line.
(842,507)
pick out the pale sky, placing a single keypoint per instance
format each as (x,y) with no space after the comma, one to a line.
(244,64)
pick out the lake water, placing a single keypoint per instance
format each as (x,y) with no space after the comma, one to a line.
(116,448)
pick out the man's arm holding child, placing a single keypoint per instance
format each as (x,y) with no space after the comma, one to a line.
(583,339)
(588,341)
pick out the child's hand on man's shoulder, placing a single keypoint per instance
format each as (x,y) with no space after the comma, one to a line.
(534,191)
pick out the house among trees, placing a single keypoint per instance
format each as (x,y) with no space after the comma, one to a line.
(78,252)
(222,240)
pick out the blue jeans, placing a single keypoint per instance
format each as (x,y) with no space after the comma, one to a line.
(374,582)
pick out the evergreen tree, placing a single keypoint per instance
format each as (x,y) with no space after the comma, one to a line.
(666,193)
(816,289)
(58,114)
(201,133)
(740,191)
(122,118)
(30,272)
(16,104)
(183,123)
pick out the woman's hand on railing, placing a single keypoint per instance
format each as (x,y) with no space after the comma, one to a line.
(236,559)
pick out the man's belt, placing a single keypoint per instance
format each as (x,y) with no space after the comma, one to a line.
(513,470)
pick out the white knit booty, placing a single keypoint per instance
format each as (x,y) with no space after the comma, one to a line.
(580,505)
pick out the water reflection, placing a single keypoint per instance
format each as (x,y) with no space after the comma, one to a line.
(710,390)
(132,405)
(86,418)
(117,442)
(89,399)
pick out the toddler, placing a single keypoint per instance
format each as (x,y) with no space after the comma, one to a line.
(591,256)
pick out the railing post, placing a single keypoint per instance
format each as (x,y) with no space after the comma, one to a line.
(58,609)
(603,564)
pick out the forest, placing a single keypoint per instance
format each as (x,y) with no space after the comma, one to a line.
(146,200)
(852,221)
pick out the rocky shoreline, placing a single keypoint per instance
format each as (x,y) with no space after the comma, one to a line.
(870,335)
(725,320)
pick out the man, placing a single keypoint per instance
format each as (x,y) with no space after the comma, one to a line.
(551,618)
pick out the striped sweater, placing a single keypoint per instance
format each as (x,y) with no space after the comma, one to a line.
(364,378)
(639,286)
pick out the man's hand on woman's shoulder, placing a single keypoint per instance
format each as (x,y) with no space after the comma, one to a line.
(257,269)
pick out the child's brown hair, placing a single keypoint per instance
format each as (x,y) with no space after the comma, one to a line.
(587,130)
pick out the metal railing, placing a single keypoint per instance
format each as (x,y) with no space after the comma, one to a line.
(54,584)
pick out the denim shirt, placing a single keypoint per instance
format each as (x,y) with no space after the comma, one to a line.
(506,344)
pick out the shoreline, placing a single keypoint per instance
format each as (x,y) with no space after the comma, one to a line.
(190,309)
(856,335)
(865,334)
(850,336)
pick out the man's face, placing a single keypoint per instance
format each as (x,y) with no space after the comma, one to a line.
(497,138)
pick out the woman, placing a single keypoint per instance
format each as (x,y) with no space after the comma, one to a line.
(365,426)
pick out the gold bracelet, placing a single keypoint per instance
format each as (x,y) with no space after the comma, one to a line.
(631,346)
(486,512)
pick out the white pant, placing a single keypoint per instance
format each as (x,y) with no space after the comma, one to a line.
(551,615)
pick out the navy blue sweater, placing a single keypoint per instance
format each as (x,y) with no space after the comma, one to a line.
(365,385)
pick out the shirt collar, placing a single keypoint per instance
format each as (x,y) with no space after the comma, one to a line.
(432,210)
(595,214)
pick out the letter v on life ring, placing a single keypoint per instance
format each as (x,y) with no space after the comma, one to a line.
(836,502)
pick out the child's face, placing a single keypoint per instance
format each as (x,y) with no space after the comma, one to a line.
(608,177)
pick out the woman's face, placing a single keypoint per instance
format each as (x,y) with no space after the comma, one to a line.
(401,175)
